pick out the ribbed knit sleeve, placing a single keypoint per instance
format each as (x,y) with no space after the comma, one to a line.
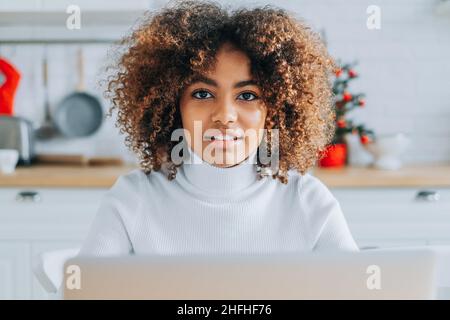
(110,231)
(327,222)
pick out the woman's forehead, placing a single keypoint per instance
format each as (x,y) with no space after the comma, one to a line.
(215,81)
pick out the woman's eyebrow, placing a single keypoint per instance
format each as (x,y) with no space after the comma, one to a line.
(200,78)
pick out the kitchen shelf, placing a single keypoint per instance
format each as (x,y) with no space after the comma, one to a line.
(38,25)
(40,41)
(58,18)
(50,27)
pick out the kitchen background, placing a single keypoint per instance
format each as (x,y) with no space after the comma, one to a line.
(403,70)
(404,67)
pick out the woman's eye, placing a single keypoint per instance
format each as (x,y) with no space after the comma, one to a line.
(202,94)
(247,96)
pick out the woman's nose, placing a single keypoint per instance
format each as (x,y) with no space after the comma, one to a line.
(224,112)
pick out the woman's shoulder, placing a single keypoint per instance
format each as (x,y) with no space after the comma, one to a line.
(315,197)
(138,180)
(307,182)
(319,205)
(131,189)
(310,185)
(126,187)
(132,178)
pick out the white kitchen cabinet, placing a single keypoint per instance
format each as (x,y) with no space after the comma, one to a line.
(62,213)
(15,277)
(60,218)
(387,217)
(34,220)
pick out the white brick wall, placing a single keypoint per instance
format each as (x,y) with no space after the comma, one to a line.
(404,69)
(62,81)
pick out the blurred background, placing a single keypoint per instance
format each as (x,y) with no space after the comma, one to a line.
(389,165)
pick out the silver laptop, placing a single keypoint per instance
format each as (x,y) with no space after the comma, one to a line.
(369,274)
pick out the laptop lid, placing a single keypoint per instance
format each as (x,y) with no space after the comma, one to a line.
(370,274)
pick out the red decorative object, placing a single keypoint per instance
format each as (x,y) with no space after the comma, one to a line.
(347,97)
(352,73)
(8,87)
(335,155)
(341,123)
(365,139)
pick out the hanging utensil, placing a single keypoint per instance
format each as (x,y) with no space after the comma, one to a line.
(47,130)
(80,114)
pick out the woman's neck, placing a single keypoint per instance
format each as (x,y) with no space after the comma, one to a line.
(219,180)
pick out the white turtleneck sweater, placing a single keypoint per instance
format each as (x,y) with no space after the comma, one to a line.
(208,209)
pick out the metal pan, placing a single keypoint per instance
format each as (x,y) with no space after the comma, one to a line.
(79,114)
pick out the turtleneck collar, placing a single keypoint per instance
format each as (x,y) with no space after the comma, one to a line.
(216,180)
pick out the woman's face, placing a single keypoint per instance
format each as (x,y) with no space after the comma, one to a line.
(223,110)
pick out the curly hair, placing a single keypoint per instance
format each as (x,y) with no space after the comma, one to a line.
(170,46)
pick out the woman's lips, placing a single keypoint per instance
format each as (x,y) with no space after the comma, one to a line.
(224,141)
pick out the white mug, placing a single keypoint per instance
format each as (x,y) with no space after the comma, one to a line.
(8,160)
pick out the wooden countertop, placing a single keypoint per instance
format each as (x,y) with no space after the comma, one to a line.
(76,176)
(408,176)
(46,175)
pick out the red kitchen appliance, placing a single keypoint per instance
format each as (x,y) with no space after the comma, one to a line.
(15,132)
(8,87)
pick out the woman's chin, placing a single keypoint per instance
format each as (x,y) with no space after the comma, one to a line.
(225,158)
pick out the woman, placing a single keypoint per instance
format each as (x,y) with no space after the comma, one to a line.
(236,84)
